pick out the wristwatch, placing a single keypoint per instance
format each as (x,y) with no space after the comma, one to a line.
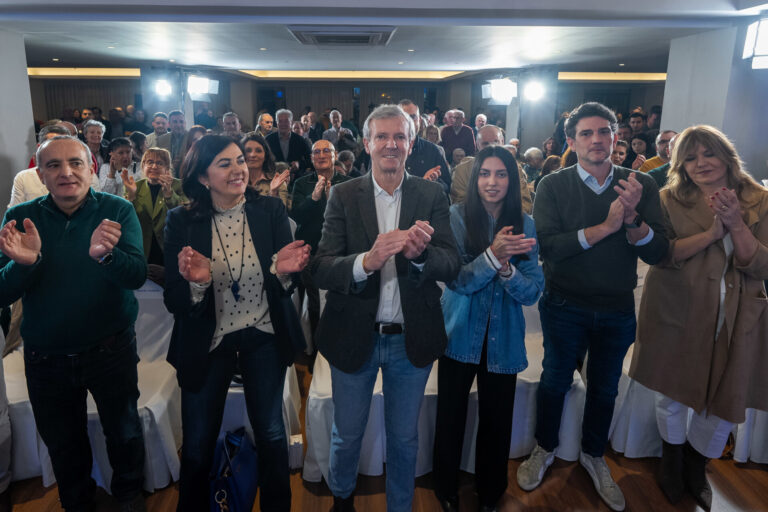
(106,259)
(636,223)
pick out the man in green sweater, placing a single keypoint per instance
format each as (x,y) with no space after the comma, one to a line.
(74,256)
(593,221)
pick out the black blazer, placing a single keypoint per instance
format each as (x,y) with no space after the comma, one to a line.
(298,150)
(344,334)
(194,325)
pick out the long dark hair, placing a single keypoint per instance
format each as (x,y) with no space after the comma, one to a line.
(512,208)
(268,167)
(196,163)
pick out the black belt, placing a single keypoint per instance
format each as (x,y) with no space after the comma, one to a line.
(388,328)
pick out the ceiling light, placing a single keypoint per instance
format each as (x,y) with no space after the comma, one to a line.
(585,76)
(503,90)
(171,60)
(401,62)
(163,88)
(621,64)
(298,74)
(411,50)
(85,72)
(111,47)
(756,44)
(55,59)
(534,91)
(263,49)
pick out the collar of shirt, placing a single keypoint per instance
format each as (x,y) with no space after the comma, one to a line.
(591,181)
(378,191)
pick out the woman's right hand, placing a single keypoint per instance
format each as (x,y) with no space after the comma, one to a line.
(506,244)
(193,266)
(277,181)
(129,184)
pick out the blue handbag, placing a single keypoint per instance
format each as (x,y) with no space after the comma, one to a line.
(234,476)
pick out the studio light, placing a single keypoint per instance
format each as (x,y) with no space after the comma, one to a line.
(163,88)
(534,91)
(197,85)
(502,91)
(756,44)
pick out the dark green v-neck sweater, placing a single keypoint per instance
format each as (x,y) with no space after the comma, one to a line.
(603,277)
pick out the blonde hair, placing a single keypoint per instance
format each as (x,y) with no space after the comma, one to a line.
(159,154)
(682,187)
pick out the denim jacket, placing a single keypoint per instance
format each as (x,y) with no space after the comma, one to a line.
(479,297)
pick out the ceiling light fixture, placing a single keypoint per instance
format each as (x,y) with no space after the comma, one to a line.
(577,76)
(55,59)
(401,62)
(297,74)
(411,50)
(502,91)
(263,49)
(756,43)
(621,64)
(111,47)
(55,72)
(171,60)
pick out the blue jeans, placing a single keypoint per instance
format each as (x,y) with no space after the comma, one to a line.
(403,386)
(570,331)
(58,386)
(258,357)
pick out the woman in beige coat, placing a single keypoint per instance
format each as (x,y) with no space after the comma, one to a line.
(702,340)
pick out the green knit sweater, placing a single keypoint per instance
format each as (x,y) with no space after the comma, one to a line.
(603,277)
(71,302)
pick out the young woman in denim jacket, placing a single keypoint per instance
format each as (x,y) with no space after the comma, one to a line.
(485,325)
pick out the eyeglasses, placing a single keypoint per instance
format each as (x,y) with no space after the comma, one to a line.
(322,151)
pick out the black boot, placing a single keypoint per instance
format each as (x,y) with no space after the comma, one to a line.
(344,504)
(695,476)
(670,474)
(449,504)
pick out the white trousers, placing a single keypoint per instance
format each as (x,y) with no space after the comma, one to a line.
(706,433)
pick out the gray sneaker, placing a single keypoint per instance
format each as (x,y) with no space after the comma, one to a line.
(604,484)
(531,472)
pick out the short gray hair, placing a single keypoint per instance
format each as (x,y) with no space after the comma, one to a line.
(46,143)
(388,111)
(533,153)
(52,128)
(93,122)
(230,114)
(335,112)
(284,111)
(662,132)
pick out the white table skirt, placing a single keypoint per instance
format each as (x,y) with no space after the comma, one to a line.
(159,406)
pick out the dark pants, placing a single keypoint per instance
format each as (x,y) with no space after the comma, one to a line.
(496,400)
(256,354)
(58,386)
(313,302)
(570,331)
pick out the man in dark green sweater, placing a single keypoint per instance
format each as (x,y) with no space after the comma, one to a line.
(593,221)
(73,257)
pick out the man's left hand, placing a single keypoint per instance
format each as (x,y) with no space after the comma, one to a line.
(104,238)
(419,236)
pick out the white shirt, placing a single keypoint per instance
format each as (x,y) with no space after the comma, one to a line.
(115,185)
(27,186)
(387,215)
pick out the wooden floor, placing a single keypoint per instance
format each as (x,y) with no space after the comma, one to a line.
(567,487)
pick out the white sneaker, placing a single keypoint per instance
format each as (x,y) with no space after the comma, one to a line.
(604,484)
(531,472)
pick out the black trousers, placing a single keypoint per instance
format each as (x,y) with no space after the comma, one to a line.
(496,399)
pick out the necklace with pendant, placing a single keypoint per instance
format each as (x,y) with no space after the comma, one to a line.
(235,282)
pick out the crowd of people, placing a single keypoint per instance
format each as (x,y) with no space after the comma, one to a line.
(232,223)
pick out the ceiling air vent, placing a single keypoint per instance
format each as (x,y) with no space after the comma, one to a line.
(327,35)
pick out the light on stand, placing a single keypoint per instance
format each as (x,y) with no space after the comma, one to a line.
(502,91)
(197,85)
(534,91)
(163,88)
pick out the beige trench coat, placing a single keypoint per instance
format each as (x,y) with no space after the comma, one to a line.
(676,352)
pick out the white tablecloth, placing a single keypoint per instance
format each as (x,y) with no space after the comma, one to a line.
(633,430)
(159,406)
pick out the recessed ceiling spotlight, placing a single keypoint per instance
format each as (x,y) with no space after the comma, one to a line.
(55,59)
(111,47)
(411,50)
(621,64)
(263,49)
(171,60)
(401,62)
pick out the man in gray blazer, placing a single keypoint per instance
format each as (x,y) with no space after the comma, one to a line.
(175,141)
(386,241)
